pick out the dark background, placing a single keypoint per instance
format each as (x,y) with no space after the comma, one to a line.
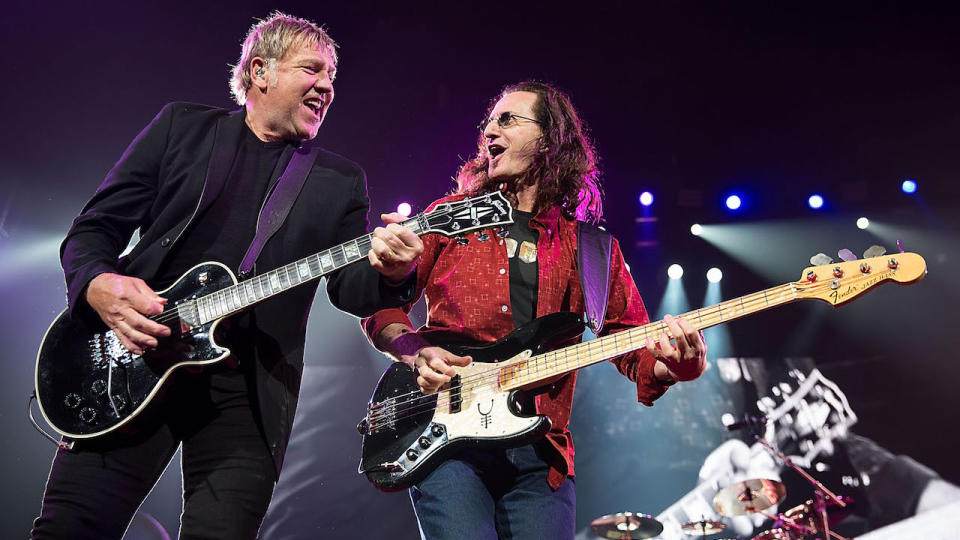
(687,100)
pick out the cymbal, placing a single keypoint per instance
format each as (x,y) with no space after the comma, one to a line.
(703,527)
(806,514)
(626,525)
(749,496)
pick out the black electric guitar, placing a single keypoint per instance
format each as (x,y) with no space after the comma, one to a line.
(89,384)
(406,433)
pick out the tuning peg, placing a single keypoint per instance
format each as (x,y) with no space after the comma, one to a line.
(846,255)
(820,259)
(874,251)
(900,245)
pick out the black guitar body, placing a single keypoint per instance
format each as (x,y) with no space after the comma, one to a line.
(88,384)
(407,434)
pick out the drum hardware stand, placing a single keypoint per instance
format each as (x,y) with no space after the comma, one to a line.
(820,491)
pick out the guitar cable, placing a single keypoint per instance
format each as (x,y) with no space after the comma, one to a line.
(61,444)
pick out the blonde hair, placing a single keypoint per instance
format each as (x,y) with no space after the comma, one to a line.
(271,39)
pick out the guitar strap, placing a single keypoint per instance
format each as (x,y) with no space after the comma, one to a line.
(593,260)
(279,203)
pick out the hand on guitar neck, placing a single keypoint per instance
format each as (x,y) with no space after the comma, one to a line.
(124,304)
(684,362)
(394,249)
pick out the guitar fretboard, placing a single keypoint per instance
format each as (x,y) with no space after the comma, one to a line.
(230,300)
(543,366)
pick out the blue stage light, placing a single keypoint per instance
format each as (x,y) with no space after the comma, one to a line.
(909,186)
(646,198)
(734,202)
(815,201)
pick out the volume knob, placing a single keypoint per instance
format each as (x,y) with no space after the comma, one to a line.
(88,415)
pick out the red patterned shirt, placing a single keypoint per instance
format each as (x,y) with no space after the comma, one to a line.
(468,294)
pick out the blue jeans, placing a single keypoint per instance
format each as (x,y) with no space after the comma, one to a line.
(488,494)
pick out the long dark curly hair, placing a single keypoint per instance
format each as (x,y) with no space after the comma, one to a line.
(566,168)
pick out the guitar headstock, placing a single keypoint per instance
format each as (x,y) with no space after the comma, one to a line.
(458,217)
(840,282)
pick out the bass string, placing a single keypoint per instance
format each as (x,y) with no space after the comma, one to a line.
(713,315)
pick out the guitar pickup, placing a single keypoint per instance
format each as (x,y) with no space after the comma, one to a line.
(456,398)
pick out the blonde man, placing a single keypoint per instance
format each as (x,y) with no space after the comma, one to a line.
(194,182)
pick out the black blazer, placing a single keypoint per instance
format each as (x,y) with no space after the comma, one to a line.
(173,171)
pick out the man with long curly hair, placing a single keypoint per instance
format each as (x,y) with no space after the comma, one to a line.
(534,148)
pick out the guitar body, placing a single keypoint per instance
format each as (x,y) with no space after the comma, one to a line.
(88,384)
(409,434)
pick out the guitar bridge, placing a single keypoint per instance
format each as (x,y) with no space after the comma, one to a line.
(381,416)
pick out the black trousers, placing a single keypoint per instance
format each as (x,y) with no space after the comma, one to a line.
(228,473)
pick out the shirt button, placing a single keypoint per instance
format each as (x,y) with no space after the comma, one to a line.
(503,271)
(503,309)
(165,242)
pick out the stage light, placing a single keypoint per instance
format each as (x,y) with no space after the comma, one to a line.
(404,209)
(714,275)
(733,202)
(696,229)
(646,198)
(815,201)
(863,223)
(675,271)
(909,186)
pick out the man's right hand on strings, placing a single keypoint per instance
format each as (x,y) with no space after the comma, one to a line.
(123,303)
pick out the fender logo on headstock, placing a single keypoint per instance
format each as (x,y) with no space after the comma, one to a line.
(846,292)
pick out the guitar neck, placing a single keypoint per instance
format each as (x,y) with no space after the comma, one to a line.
(544,366)
(235,298)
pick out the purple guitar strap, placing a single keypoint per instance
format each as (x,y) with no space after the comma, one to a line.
(279,203)
(593,260)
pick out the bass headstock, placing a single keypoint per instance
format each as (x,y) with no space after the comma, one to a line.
(474,213)
(841,282)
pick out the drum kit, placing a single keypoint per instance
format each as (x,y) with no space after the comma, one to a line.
(755,496)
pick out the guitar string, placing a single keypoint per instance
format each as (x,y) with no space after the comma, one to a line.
(174,312)
(655,327)
(800,286)
(608,347)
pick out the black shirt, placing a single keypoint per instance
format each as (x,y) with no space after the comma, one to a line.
(523,274)
(225,230)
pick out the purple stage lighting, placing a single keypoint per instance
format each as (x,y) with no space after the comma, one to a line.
(815,201)
(909,186)
(646,198)
(404,209)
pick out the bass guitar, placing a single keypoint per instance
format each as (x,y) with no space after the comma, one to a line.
(89,384)
(406,433)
